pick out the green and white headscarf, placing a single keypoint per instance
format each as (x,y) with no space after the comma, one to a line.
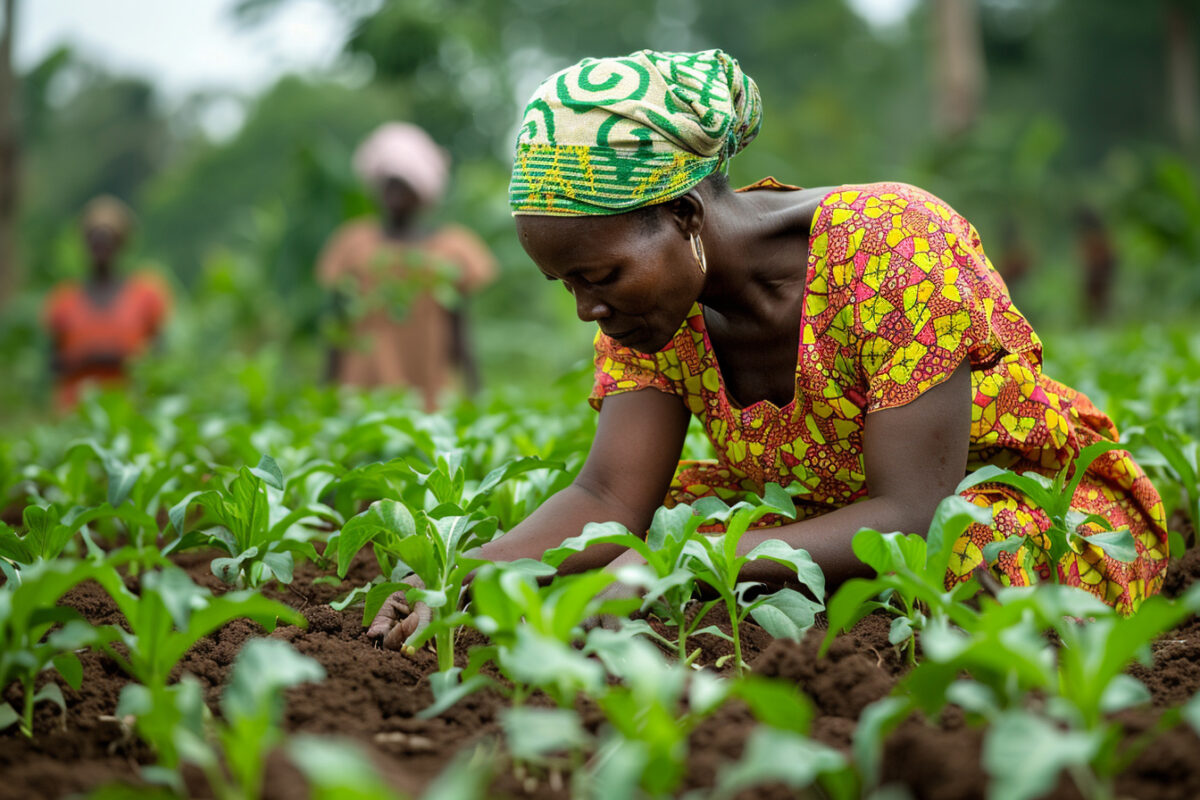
(611,135)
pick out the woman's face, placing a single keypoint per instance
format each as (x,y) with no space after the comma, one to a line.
(103,243)
(636,278)
(399,199)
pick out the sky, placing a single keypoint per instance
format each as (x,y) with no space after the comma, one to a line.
(183,45)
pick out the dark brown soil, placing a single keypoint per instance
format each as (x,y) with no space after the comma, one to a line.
(373,696)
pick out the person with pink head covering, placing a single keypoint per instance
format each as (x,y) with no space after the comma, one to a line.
(401,287)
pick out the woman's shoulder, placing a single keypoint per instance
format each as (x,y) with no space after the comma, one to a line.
(884,214)
(147,281)
(64,295)
(358,229)
(887,195)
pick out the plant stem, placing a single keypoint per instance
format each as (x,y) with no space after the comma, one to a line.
(444,641)
(731,604)
(27,711)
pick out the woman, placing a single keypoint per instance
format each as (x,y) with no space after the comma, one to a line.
(98,326)
(401,287)
(854,340)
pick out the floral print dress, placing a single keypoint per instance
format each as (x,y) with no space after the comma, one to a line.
(899,292)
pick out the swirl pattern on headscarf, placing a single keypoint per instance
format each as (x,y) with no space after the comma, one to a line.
(611,135)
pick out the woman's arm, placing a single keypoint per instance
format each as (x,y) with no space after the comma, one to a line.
(914,457)
(625,478)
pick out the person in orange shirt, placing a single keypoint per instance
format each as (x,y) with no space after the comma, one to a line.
(400,287)
(98,325)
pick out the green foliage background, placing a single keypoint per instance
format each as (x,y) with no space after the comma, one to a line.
(1076,113)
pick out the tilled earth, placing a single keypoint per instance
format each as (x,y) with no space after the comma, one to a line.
(373,696)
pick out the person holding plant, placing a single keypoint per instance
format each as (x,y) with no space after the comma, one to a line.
(101,324)
(851,343)
(400,287)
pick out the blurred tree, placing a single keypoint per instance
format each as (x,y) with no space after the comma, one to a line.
(87,132)
(276,188)
(959,71)
(8,157)
(1180,26)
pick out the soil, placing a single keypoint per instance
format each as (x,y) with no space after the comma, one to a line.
(373,696)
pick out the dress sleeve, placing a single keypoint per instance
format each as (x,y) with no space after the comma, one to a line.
(475,261)
(924,297)
(155,299)
(57,310)
(621,369)
(336,256)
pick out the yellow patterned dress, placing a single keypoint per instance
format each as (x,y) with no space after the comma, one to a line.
(899,293)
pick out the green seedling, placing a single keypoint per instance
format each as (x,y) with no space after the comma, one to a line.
(261,536)
(715,562)
(549,739)
(171,613)
(1059,697)
(911,576)
(48,535)
(435,550)
(670,585)
(1054,497)
(337,769)
(1180,455)
(37,634)
(447,487)
(651,713)
(232,752)
(533,629)
(789,758)
(168,617)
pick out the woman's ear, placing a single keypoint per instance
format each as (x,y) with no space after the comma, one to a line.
(687,212)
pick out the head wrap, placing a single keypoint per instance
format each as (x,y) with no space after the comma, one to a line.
(106,211)
(614,134)
(401,150)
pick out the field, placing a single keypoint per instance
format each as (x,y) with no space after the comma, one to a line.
(185,590)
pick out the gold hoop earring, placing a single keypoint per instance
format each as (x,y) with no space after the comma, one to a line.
(698,252)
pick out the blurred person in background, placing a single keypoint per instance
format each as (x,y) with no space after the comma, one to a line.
(1099,260)
(98,325)
(853,342)
(399,288)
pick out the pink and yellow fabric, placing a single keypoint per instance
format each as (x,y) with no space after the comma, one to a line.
(899,293)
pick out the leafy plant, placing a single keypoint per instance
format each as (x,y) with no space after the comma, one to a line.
(1181,461)
(337,769)
(1057,697)
(435,550)
(670,586)
(911,574)
(532,630)
(651,713)
(715,562)
(781,756)
(168,617)
(32,641)
(172,613)
(256,529)
(1054,497)
(48,534)
(251,708)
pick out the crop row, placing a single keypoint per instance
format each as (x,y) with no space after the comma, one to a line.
(1043,668)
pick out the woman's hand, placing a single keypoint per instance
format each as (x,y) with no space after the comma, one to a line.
(396,620)
(614,591)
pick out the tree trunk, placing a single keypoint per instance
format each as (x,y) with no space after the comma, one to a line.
(8,158)
(959,70)
(1181,74)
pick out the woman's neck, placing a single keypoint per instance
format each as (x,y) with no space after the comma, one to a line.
(400,229)
(757,247)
